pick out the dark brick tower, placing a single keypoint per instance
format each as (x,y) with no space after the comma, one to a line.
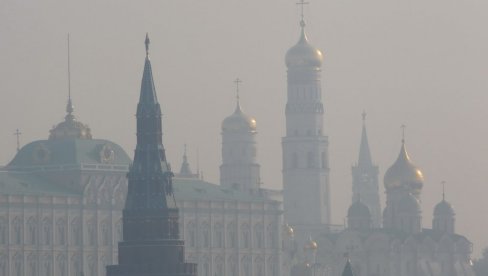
(151,243)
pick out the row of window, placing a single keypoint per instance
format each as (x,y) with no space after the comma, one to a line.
(32,266)
(43,234)
(242,237)
(310,162)
(256,268)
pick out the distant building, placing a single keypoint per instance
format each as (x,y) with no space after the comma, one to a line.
(402,247)
(61,203)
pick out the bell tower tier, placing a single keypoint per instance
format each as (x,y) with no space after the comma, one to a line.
(239,169)
(305,147)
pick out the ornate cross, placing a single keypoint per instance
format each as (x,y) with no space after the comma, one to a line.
(237,82)
(18,133)
(302,3)
(403,132)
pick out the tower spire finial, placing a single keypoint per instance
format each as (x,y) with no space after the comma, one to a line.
(403,126)
(302,4)
(18,133)
(69,106)
(147,42)
(443,183)
(364,117)
(237,81)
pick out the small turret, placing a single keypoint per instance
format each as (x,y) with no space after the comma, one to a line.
(359,216)
(444,217)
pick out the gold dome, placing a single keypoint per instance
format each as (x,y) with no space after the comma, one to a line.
(70,128)
(404,174)
(239,121)
(288,230)
(303,54)
(311,245)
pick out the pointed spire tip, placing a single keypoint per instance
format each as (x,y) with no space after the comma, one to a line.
(146,42)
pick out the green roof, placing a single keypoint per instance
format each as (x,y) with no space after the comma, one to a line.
(21,183)
(196,189)
(70,152)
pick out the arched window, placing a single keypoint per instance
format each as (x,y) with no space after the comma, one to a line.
(17,269)
(119,235)
(46,266)
(103,264)
(92,267)
(259,235)
(61,260)
(232,265)
(32,265)
(46,231)
(105,229)
(219,235)
(76,269)
(3,265)
(323,158)
(271,267)
(246,266)
(271,240)
(219,266)
(61,231)
(17,230)
(31,231)
(310,160)
(259,267)
(76,231)
(192,234)
(245,236)
(205,235)
(3,230)
(294,160)
(91,232)
(206,267)
(232,234)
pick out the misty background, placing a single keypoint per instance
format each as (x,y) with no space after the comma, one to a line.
(419,63)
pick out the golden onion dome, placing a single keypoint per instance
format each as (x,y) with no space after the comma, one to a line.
(311,245)
(303,54)
(404,174)
(70,128)
(239,122)
(288,230)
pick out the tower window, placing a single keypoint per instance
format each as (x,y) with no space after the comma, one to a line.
(294,160)
(310,160)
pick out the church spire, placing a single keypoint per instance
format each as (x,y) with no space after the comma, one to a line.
(150,171)
(151,243)
(148,91)
(364,152)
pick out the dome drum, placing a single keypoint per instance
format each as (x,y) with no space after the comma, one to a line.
(357,210)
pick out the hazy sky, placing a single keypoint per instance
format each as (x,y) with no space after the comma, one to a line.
(416,62)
